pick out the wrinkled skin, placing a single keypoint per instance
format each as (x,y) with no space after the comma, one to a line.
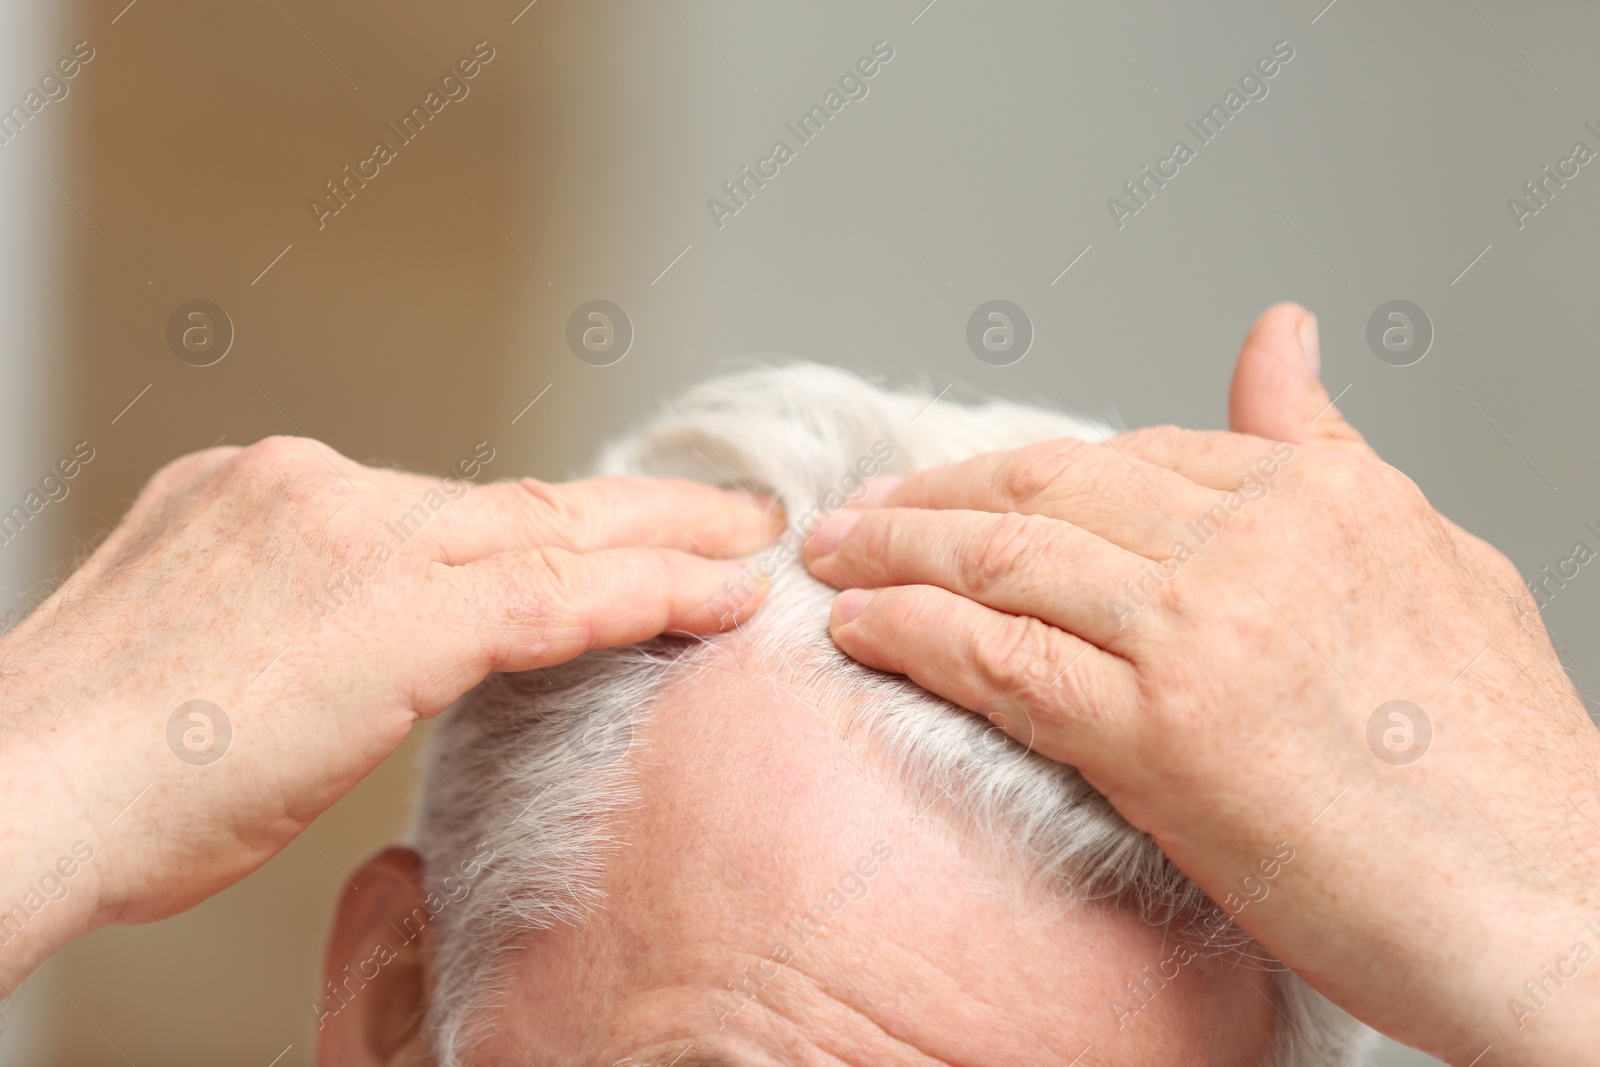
(216,586)
(754,804)
(1221,697)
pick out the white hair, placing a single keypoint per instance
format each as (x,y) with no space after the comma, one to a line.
(530,763)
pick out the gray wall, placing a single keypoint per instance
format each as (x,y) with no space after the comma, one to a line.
(1378,167)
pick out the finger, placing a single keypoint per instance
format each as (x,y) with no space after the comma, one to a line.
(1074,698)
(1277,390)
(1019,564)
(599,513)
(1214,459)
(1097,487)
(539,608)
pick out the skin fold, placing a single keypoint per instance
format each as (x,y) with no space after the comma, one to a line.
(1221,694)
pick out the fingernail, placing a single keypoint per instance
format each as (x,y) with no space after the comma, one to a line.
(771,509)
(1310,344)
(849,604)
(879,490)
(829,535)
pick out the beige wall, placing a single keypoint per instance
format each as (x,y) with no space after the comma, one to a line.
(201,131)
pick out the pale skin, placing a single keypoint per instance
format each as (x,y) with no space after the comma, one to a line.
(1222,719)
(206,591)
(1223,705)
(933,948)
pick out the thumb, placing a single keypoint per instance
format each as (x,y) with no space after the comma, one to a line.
(1277,390)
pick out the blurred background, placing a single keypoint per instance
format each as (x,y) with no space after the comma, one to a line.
(181,160)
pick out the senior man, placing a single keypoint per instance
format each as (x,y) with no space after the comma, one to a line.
(1441,902)
(751,851)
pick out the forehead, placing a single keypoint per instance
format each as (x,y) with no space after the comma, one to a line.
(779,899)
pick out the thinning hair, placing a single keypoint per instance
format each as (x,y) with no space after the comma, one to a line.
(530,763)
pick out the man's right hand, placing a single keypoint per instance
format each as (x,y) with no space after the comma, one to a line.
(318,608)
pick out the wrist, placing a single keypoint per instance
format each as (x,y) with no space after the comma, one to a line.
(1539,991)
(45,903)
(53,851)
(1548,1012)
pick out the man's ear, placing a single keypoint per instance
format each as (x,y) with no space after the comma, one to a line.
(375,981)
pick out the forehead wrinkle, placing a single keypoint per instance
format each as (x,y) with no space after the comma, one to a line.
(870,1011)
(787,1008)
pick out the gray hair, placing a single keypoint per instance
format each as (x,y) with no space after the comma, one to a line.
(531,763)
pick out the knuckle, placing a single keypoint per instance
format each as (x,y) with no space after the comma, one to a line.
(540,598)
(1251,523)
(1162,440)
(1337,483)
(1015,654)
(550,587)
(1074,688)
(557,511)
(1000,549)
(1038,468)
(1174,598)
(1375,489)
(271,460)
(179,472)
(1168,604)
(276,450)
(1503,569)
(1501,572)
(1370,474)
